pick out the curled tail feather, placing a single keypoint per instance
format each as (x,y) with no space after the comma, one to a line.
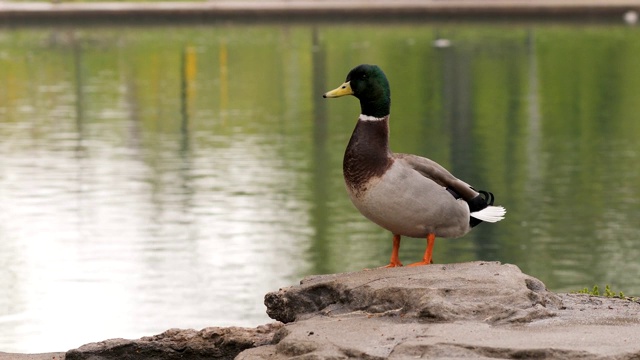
(482,209)
(490,214)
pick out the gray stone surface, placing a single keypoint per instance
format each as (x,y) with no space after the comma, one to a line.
(208,343)
(480,291)
(474,310)
(43,356)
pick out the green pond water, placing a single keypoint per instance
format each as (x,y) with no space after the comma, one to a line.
(159,177)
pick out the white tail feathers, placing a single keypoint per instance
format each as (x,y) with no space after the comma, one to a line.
(490,214)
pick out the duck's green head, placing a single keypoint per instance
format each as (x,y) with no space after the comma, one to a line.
(369,84)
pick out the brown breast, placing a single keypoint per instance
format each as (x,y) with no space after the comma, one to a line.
(367,156)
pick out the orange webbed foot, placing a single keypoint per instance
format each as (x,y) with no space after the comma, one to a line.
(395,259)
(388,266)
(391,265)
(420,263)
(428,254)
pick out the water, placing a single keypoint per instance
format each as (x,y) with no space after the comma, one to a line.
(158,177)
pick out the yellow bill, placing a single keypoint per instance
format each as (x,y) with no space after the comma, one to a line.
(342,90)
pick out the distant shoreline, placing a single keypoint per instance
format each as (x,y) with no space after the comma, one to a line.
(317,10)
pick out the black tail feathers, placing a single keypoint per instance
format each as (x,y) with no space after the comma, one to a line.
(478,203)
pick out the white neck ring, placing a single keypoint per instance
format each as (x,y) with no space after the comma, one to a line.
(364,117)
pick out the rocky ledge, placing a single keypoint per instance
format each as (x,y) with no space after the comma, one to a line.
(473,310)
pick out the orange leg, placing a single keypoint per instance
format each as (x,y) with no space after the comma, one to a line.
(395,258)
(428,254)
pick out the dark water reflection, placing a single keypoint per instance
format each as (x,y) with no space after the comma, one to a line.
(169,177)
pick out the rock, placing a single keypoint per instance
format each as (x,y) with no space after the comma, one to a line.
(479,310)
(481,291)
(43,356)
(208,343)
(473,310)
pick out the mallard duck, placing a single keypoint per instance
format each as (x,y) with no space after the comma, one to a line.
(406,194)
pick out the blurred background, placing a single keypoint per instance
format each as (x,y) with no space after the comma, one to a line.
(170,175)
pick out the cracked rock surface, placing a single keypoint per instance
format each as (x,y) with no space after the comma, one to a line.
(477,310)
(480,291)
(472,310)
(208,343)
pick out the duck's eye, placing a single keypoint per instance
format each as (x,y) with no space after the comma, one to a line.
(364,76)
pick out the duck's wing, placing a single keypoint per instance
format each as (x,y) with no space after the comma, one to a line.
(481,207)
(434,171)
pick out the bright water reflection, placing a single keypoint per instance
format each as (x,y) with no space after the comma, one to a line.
(170,177)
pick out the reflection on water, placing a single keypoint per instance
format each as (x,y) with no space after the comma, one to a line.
(170,177)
